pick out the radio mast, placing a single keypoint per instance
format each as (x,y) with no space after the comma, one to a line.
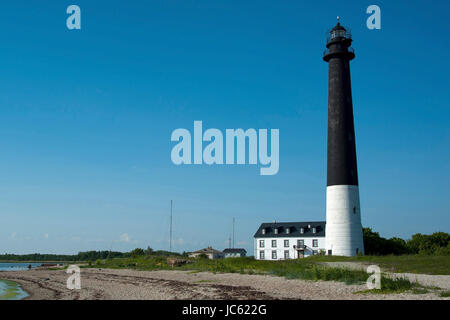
(170,236)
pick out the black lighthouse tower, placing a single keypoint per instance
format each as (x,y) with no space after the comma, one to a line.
(343,227)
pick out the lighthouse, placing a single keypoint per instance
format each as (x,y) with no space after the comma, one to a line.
(343,215)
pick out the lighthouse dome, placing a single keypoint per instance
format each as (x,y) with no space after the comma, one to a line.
(338,33)
(338,27)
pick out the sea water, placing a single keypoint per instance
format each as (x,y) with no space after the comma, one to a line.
(17,266)
(10,290)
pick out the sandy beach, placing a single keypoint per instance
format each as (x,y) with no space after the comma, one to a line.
(110,284)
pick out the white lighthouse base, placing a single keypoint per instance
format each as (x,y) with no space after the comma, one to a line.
(343,229)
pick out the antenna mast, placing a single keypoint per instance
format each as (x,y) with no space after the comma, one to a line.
(170,236)
(233,233)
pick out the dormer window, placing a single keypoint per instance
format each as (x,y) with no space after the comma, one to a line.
(302,230)
(288,230)
(263,231)
(276,230)
(313,230)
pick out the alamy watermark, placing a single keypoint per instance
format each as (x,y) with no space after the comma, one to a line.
(74,280)
(374,281)
(233,151)
(374,20)
(74,20)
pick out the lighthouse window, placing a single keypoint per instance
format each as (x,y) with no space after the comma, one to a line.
(354,209)
(338,33)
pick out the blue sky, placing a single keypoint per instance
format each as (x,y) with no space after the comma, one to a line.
(86,118)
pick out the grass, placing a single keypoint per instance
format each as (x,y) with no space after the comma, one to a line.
(445,294)
(424,264)
(389,285)
(205,281)
(305,269)
(397,285)
(419,290)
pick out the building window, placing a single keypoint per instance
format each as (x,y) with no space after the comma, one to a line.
(300,243)
(286,254)
(288,230)
(276,230)
(261,255)
(261,243)
(286,243)
(263,231)
(315,243)
(313,230)
(302,230)
(274,243)
(274,254)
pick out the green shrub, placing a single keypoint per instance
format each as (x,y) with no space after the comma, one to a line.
(419,291)
(445,294)
(137,253)
(395,285)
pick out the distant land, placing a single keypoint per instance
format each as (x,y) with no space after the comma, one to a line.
(81,256)
(437,243)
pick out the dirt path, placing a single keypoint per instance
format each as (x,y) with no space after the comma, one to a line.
(99,284)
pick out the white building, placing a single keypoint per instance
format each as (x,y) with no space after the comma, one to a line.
(289,240)
(209,252)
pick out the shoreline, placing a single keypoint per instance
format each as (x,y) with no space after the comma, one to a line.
(33,261)
(127,284)
(13,290)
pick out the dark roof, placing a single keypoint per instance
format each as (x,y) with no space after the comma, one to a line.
(207,250)
(234,250)
(338,27)
(294,229)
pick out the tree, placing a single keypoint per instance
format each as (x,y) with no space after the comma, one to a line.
(137,252)
(429,244)
(376,245)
